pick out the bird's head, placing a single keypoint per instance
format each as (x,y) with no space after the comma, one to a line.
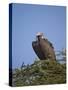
(39,35)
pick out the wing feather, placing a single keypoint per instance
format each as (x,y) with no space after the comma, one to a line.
(37,50)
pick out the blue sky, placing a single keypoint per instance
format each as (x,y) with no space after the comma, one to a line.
(27,20)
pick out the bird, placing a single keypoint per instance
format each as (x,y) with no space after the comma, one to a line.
(43,47)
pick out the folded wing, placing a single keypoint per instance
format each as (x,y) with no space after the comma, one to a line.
(38,50)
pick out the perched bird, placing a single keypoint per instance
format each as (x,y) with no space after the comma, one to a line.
(43,48)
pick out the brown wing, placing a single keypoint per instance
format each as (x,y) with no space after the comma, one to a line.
(47,49)
(38,50)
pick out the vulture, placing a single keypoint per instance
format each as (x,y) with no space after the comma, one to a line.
(43,48)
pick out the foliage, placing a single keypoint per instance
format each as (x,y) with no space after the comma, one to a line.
(41,72)
(61,54)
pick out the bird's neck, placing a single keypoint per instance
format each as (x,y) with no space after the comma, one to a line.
(38,38)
